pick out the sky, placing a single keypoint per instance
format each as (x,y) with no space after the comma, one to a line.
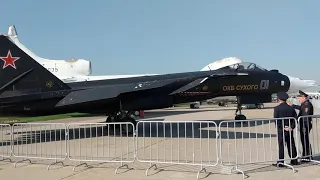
(168,36)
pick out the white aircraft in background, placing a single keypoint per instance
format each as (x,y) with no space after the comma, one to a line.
(73,70)
(314,95)
(311,95)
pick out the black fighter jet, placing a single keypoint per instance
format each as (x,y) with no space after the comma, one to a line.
(28,89)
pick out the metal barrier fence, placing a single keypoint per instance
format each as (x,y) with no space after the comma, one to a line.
(5,141)
(101,142)
(244,142)
(174,142)
(39,141)
(309,133)
(196,143)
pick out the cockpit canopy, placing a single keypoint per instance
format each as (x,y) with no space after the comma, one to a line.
(246,66)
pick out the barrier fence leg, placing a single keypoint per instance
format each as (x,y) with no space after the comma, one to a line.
(57,162)
(239,171)
(122,165)
(86,165)
(15,164)
(204,170)
(289,166)
(4,159)
(154,166)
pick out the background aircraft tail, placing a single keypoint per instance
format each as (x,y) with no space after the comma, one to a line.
(13,35)
(21,73)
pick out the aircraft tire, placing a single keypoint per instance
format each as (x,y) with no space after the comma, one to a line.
(110,120)
(240,117)
(136,113)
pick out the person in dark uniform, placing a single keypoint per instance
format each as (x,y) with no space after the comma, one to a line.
(285,129)
(305,124)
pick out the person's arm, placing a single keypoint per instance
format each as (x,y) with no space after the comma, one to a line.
(292,121)
(311,109)
(276,115)
(296,106)
(293,105)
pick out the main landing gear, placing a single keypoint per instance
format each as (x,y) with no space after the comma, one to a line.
(239,116)
(122,116)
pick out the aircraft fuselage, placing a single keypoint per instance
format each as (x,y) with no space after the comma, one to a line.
(257,82)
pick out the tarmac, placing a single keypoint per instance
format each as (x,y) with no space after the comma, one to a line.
(189,143)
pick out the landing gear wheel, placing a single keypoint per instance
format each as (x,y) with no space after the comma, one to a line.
(128,128)
(137,113)
(240,117)
(110,119)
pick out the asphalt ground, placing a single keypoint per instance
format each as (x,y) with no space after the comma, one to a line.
(166,137)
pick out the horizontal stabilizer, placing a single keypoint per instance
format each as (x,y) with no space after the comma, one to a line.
(188,86)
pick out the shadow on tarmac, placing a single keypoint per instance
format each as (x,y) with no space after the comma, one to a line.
(172,112)
(150,128)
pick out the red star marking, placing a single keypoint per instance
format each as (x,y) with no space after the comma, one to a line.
(9,60)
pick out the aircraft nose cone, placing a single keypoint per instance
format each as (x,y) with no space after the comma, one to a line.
(310,82)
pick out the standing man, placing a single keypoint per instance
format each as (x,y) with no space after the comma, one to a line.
(305,123)
(285,129)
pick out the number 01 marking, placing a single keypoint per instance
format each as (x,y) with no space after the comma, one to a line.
(264,84)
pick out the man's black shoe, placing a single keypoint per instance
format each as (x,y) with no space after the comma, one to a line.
(278,165)
(294,163)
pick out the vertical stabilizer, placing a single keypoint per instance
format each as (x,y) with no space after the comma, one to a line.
(20,72)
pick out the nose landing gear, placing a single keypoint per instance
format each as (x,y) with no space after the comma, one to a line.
(239,116)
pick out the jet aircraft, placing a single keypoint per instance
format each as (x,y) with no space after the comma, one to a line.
(27,88)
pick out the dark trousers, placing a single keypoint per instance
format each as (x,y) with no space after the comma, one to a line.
(305,128)
(286,137)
